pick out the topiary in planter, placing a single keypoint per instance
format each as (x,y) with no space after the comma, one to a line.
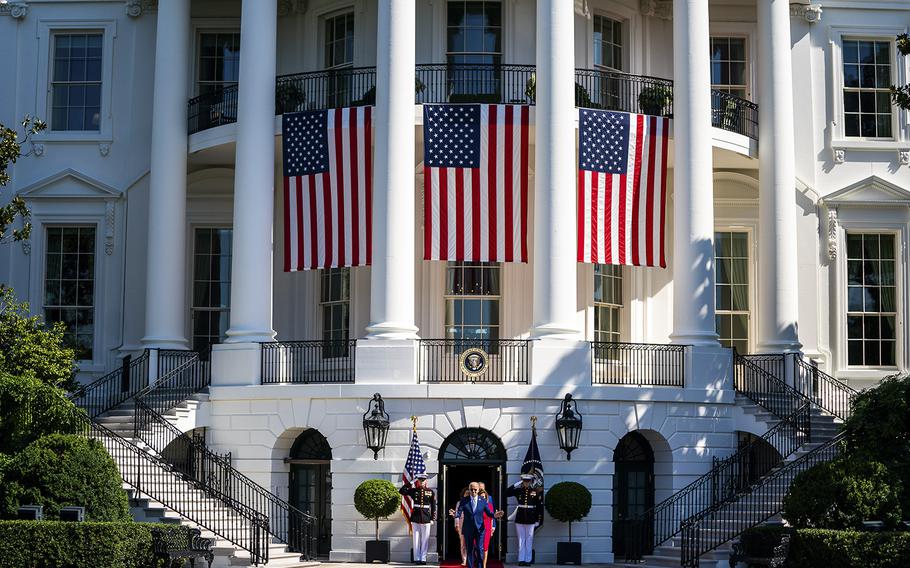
(376,499)
(568,502)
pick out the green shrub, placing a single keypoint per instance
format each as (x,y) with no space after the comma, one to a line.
(27,346)
(843,493)
(821,548)
(64,470)
(569,502)
(56,544)
(376,499)
(31,409)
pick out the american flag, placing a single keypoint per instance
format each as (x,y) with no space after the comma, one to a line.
(476,182)
(622,188)
(327,159)
(533,465)
(412,467)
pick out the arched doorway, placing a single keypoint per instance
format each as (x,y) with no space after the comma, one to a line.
(633,489)
(761,458)
(470,454)
(310,484)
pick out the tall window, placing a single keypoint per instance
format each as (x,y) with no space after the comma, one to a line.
(211,307)
(871,300)
(335,303)
(472,300)
(219,60)
(867,77)
(731,255)
(474,34)
(339,41)
(728,65)
(69,285)
(608,40)
(76,84)
(607,302)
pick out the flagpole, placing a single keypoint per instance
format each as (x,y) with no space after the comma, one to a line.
(533,423)
(414,422)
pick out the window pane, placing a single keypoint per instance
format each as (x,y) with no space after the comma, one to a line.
(69,285)
(210,310)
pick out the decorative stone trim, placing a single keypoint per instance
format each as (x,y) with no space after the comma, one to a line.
(812,13)
(288,7)
(662,9)
(15,10)
(903,156)
(37,149)
(26,247)
(104,149)
(109,218)
(135,8)
(839,155)
(832,234)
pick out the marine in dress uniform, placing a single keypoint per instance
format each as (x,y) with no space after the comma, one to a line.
(422,514)
(529,515)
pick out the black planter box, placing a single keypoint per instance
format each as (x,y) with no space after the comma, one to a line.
(568,553)
(377,550)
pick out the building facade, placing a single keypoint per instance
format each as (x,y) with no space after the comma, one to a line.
(156,199)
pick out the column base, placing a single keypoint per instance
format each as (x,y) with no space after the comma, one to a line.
(555,331)
(177,343)
(559,362)
(709,368)
(250,336)
(695,337)
(392,330)
(385,361)
(783,346)
(236,364)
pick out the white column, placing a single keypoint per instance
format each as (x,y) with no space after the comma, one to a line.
(693,199)
(165,298)
(555,174)
(254,177)
(392,273)
(777,272)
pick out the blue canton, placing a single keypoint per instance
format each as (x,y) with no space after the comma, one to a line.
(603,141)
(305,149)
(451,136)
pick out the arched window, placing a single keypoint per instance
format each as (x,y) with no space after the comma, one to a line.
(472,444)
(633,491)
(310,483)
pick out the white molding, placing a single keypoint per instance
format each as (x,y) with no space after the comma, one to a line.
(198,27)
(42,188)
(872,191)
(15,10)
(632,21)
(749,30)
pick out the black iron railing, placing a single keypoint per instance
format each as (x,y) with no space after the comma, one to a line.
(706,531)
(317,361)
(474,83)
(640,364)
(734,114)
(612,90)
(761,386)
(114,388)
(728,478)
(473,361)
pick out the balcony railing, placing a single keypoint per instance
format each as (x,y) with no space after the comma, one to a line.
(473,83)
(639,364)
(473,361)
(308,362)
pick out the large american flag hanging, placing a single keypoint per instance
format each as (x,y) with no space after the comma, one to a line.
(327,157)
(622,188)
(412,467)
(476,182)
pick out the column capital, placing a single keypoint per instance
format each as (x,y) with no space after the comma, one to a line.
(812,13)
(15,10)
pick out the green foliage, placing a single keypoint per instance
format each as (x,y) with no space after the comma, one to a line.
(10,151)
(843,493)
(655,100)
(376,498)
(56,544)
(582,96)
(64,470)
(820,548)
(27,346)
(568,501)
(31,409)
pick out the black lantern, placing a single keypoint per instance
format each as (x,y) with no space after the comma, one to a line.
(568,426)
(376,425)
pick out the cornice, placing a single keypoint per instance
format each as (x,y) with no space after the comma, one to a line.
(15,10)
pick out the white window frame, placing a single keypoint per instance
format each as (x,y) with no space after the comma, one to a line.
(322,19)
(839,139)
(752,246)
(631,21)
(750,33)
(624,274)
(446,297)
(624,47)
(191,235)
(321,303)
(44,100)
(197,51)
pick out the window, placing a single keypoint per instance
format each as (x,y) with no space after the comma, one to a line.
(728,65)
(871,300)
(731,255)
(608,40)
(76,82)
(339,41)
(607,302)
(219,61)
(211,307)
(335,304)
(69,285)
(474,37)
(472,301)
(867,78)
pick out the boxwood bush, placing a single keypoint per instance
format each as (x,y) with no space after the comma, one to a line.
(822,548)
(57,544)
(376,499)
(569,502)
(64,470)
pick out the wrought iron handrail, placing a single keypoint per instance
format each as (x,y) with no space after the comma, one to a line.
(625,92)
(314,361)
(639,364)
(828,393)
(440,360)
(727,478)
(734,114)
(764,388)
(114,388)
(187,375)
(212,472)
(760,503)
(474,83)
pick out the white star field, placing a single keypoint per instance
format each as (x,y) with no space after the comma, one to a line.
(604,141)
(305,144)
(452,136)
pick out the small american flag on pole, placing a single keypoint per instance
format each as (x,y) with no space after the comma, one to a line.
(475,184)
(327,160)
(622,188)
(412,467)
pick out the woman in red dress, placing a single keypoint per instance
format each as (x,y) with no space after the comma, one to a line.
(488,524)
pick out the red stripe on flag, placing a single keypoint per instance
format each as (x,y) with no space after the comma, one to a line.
(427,213)
(476,212)
(355,189)
(314,221)
(459,214)
(338,188)
(368,170)
(300,261)
(443,213)
(287,224)
(580,216)
(523,172)
(649,205)
(636,187)
(508,219)
(327,219)
(608,218)
(491,181)
(663,189)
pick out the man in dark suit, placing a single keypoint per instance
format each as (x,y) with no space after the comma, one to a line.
(474,508)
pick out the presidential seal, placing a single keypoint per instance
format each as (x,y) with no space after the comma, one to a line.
(473,362)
